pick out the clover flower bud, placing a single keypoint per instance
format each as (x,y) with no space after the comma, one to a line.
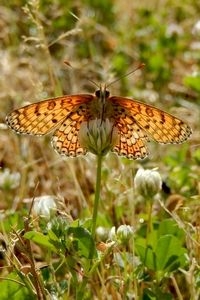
(44,206)
(124,233)
(147,182)
(98,136)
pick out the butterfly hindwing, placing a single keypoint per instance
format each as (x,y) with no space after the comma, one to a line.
(65,139)
(132,139)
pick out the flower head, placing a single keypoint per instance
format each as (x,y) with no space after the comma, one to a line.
(44,206)
(98,136)
(9,180)
(122,234)
(147,182)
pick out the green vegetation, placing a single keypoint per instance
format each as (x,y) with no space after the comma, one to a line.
(147,240)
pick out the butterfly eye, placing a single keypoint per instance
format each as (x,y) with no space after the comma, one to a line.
(107,94)
(100,93)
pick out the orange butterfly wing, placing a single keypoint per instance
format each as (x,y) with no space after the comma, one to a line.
(135,121)
(65,139)
(132,139)
(43,117)
(157,124)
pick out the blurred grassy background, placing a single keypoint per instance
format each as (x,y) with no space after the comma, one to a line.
(100,40)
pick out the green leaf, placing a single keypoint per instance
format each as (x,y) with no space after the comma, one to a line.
(169,226)
(164,251)
(12,288)
(169,253)
(146,253)
(40,239)
(83,242)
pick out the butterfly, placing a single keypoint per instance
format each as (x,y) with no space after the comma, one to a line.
(136,122)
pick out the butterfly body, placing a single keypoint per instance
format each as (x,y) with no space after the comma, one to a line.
(135,121)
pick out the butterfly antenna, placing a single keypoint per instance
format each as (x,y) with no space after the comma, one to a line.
(127,74)
(66,62)
(93,82)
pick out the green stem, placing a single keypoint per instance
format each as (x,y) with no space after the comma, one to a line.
(149,212)
(149,227)
(97,194)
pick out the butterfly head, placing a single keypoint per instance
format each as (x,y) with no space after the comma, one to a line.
(102,93)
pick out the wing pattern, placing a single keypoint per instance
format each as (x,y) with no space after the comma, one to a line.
(43,117)
(136,122)
(157,124)
(65,139)
(132,139)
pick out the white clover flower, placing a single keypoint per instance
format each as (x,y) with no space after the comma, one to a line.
(98,136)
(44,206)
(102,232)
(112,234)
(147,182)
(9,180)
(174,29)
(196,28)
(124,233)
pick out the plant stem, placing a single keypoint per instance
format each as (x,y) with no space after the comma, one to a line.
(149,212)
(149,227)
(97,194)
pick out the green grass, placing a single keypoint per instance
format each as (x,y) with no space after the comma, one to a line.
(156,255)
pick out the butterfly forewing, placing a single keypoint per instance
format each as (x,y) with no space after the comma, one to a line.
(159,125)
(42,117)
